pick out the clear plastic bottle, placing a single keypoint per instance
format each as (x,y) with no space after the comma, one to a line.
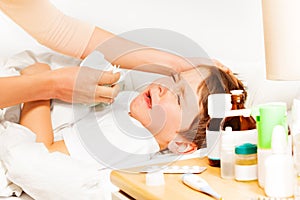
(227,154)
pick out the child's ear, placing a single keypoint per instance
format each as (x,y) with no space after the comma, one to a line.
(183,147)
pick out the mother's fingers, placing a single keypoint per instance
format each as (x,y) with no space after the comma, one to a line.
(106,93)
(103,100)
(107,77)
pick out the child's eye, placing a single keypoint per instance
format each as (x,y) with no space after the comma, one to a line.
(175,78)
(178,99)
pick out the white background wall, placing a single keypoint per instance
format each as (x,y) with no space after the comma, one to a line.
(229,30)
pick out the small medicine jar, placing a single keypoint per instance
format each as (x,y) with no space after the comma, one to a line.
(246,162)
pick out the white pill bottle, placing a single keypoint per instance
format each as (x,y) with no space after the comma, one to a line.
(279,169)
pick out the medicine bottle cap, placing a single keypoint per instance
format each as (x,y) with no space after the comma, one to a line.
(279,140)
(228,139)
(246,148)
(218,104)
(236,92)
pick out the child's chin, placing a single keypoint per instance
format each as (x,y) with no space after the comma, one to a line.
(133,107)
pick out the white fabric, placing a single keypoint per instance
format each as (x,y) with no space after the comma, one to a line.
(7,188)
(13,66)
(9,67)
(75,147)
(109,127)
(40,174)
(45,175)
(124,141)
(14,161)
(10,113)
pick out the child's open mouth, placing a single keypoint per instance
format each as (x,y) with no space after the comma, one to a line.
(147,97)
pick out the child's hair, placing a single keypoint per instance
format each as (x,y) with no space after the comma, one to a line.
(216,82)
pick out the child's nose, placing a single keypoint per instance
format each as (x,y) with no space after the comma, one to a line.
(161,90)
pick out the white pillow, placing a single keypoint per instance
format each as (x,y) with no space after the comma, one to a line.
(44,175)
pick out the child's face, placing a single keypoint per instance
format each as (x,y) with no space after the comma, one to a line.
(168,105)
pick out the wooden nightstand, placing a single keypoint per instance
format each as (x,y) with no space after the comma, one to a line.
(134,187)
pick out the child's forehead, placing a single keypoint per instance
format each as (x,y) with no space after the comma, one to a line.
(192,77)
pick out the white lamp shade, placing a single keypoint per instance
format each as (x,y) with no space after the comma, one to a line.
(281,21)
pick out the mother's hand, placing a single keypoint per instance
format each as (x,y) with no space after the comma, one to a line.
(84,85)
(192,62)
(77,84)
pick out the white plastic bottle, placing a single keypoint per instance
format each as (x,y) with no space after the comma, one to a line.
(279,169)
(217,105)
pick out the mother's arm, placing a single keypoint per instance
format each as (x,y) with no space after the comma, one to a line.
(18,89)
(62,84)
(132,55)
(62,33)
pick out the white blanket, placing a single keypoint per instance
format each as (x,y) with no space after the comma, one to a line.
(45,175)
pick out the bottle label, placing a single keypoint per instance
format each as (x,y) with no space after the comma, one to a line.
(245,172)
(213,139)
(227,164)
(246,136)
(214,124)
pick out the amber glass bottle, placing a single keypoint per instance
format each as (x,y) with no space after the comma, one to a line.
(239,119)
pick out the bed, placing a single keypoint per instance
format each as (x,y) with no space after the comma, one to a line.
(20,155)
(27,169)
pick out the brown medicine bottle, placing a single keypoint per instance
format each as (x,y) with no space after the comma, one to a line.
(239,118)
